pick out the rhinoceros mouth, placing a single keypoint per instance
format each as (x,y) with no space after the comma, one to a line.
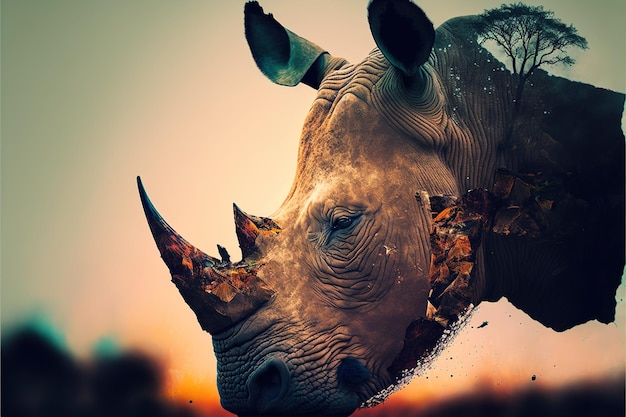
(291,369)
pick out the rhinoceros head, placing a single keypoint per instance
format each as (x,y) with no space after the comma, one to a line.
(377,250)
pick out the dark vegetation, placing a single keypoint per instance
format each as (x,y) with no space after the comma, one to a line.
(604,399)
(41,379)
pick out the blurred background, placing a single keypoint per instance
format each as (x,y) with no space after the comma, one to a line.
(95,93)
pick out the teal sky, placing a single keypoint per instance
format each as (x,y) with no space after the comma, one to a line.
(94,93)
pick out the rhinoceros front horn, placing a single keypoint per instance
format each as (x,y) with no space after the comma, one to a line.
(220,293)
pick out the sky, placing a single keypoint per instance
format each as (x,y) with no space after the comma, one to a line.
(94,93)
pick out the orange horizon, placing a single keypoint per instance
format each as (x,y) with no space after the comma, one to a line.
(486,389)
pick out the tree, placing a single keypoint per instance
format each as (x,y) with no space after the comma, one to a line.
(531,37)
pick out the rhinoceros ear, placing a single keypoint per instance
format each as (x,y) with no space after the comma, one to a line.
(402,32)
(284,57)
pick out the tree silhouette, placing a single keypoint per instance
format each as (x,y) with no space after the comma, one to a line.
(531,37)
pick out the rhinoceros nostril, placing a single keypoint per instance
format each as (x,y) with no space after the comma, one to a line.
(268,385)
(352,373)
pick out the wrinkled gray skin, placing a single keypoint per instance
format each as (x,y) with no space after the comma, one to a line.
(343,291)
(350,267)
(340,290)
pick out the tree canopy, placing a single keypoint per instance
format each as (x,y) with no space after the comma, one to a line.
(530,36)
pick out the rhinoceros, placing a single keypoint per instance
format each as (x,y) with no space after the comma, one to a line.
(411,204)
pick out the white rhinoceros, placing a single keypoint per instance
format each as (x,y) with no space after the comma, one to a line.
(410,205)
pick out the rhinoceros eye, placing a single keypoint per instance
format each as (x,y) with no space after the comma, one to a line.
(342,222)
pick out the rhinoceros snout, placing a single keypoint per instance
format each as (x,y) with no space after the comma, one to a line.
(268,386)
